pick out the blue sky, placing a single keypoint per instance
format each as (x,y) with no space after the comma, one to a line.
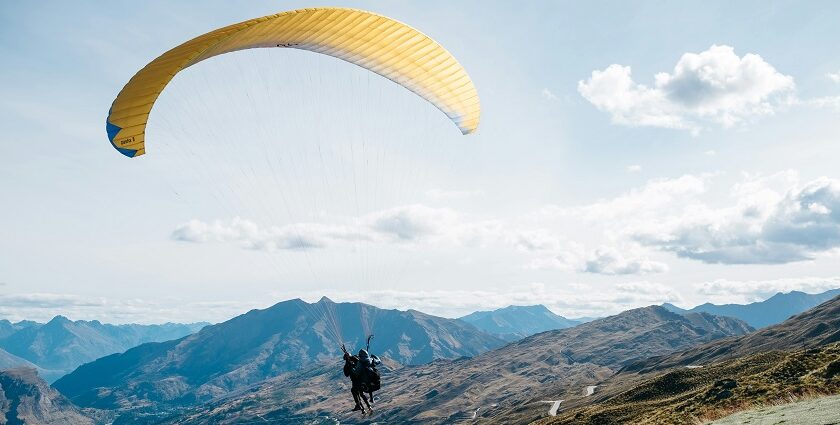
(629,153)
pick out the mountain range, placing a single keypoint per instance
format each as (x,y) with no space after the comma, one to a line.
(516,322)
(487,385)
(60,345)
(261,344)
(771,311)
(282,365)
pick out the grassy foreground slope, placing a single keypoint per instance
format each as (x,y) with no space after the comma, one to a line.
(799,357)
(684,396)
(816,411)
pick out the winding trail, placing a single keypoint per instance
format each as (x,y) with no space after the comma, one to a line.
(555,404)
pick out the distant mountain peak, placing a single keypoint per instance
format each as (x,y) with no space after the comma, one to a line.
(60,319)
(518,321)
(534,307)
(765,313)
(325,300)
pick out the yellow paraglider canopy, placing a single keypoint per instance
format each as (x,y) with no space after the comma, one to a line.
(374,42)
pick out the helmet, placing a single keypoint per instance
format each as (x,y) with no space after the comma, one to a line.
(363,353)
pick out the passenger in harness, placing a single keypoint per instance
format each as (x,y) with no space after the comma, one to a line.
(370,380)
(363,375)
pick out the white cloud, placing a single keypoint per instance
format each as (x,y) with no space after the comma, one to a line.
(638,203)
(44,306)
(826,102)
(412,222)
(536,241)
(711,87)
(765,226)
(298,236)
(834,76)
(710,152)
(569,300)
(604,260)
(770,220)
(611,261)
(635,168)
(405,224)
(48,300)
(547,94)
(733,291)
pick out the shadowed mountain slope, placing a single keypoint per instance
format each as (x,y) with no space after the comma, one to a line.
(516,322)
(771,311)
(61,344)
(27,399)
(261,344)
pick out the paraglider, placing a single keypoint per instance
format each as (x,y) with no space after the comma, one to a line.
(374,42)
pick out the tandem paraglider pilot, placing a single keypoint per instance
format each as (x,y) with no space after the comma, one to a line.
(364,377)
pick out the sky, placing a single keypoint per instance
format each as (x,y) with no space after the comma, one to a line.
(629,153)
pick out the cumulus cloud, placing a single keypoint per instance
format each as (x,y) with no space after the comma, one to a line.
(772,219)
(834,76)
(405,224)
(765,226)
(611,261)
(715,86)
(605,260)
(299,236)
(769,220)
(412,222)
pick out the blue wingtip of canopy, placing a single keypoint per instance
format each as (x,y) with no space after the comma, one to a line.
(112,131)
(127,152)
